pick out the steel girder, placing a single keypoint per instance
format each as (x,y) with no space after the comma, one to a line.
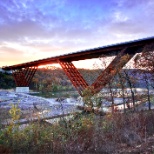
(23,76)
(113,68)
(75,77)
(106,76)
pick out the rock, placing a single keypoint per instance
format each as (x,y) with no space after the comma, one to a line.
(60,99)
(34,105)
(70,100)
(131,138)
(80,101)
(3,92)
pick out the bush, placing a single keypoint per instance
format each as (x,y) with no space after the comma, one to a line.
(84,133)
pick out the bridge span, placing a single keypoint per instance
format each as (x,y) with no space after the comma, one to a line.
(123,52)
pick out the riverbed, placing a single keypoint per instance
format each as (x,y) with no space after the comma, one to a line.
(38,107)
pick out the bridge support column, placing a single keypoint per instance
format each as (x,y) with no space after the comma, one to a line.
(74,75)
(23,78)
(22,89)
(114,67)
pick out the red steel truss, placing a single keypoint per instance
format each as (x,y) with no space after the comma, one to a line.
(74,75)
(24,76)
(113,68)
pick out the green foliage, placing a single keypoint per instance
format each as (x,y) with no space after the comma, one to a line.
(152,98)
(15,112)
(50,80)
(38,137)
(84,133)
(90,99)
(107,123)
(6,81)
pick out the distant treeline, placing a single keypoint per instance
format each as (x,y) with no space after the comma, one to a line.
(54,79)
(46,80)
(6,81)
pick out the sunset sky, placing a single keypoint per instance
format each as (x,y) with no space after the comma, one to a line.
(36,29)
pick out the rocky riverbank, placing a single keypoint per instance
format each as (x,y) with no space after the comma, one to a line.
(36,107)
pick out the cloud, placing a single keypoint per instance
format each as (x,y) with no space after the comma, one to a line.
(10,55)
(132,20)
(35,28)
(133,3)
(48,20)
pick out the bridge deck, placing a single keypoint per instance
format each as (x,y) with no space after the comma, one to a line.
(86,54)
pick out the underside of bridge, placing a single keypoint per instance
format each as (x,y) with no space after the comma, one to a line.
(23,73)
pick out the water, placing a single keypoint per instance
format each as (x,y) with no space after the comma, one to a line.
(59,94)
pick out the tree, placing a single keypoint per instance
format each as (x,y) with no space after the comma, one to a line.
(145,62)
(6,81)
(131,84)
(122,86)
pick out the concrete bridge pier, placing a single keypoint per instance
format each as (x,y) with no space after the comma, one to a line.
(22,89)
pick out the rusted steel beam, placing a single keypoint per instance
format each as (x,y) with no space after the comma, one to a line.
(114,67)
(19,78)
(74,75)
(23,76)
(30,74)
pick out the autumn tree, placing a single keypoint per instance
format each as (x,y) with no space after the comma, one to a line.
(145,62)
(122,85)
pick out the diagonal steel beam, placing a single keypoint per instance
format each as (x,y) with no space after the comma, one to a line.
(74,75)
(19,78)
(30,73)
(23,76)
(115,66)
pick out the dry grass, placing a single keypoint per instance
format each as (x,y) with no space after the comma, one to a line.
(118,133)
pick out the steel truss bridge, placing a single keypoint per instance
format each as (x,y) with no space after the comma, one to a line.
(123,52)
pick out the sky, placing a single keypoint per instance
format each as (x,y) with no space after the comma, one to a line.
(36,29)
